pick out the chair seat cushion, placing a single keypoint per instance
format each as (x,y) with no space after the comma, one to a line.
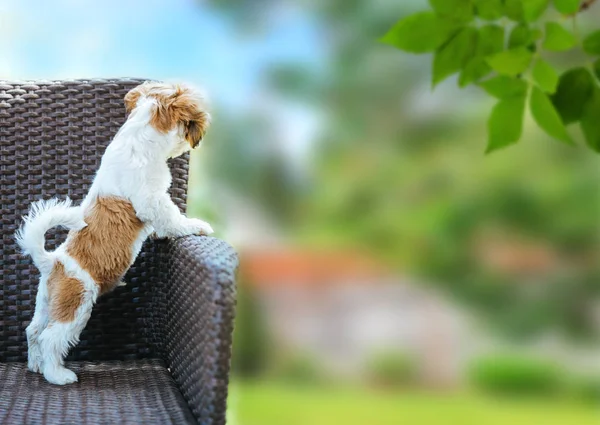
(111,392)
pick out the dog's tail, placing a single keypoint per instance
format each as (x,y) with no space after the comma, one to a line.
(44,215)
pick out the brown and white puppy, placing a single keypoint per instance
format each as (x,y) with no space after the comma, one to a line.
(127,202)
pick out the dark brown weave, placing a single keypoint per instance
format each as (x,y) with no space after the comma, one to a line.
(178,303)
(200,322)
(114,392)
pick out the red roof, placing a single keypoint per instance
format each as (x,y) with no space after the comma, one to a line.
(268,268)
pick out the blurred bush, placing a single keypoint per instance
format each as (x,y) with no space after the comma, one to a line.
(250,341)
(516,375)
(587,389)
(298,369)
(393,369)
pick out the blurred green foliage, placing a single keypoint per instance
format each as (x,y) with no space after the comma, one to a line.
(462,39)
(516,375)
(412,188)
(587,389)
(393,370)
(250,340)
(399,172)
(297,369)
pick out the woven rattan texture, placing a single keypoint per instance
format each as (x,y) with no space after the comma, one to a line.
(200,322)
(130,392)
(52,136)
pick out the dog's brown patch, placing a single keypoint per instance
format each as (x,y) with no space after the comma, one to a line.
(174,105)
(104,247)
(65,294)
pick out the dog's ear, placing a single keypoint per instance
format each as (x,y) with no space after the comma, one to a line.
(194,130)
(192,115)
(184,108)
(131,98)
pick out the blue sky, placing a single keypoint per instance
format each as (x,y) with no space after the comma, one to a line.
(169,39)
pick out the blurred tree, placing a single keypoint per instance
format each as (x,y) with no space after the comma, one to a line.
(409,183)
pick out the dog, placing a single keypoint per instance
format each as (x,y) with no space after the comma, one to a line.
(126,203)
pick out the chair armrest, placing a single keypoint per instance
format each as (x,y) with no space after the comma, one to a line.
(200,302)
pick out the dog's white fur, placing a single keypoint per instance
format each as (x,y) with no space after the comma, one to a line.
(134,167)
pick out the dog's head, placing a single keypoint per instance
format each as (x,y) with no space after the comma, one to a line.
(176,111)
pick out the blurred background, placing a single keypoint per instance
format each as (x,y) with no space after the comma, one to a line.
(390,271)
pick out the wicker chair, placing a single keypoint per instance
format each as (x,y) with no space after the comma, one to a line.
(154,351)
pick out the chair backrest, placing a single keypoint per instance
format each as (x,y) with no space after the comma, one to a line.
(52,136)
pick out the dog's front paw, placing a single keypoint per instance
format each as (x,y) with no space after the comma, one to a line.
(199,227)
(59,375)
(34,363)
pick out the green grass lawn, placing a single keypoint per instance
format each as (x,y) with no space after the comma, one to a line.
(264,403)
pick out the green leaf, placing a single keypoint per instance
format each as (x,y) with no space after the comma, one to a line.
(523,36)
(536,34)
(519,36)
(545,76)
(558,38)
(454,55)
(419,33)
(458,10)
(490,40)
(489,10)
(574,90)
(547,117)
(567,7)
(475,70)
(590,122)
(591,44)
(505,125)
(514,10)
(511,62)
(533,9)
(597,68)
(504,87)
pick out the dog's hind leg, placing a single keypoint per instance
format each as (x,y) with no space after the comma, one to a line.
(55,342)
(70,309)
(36,327)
